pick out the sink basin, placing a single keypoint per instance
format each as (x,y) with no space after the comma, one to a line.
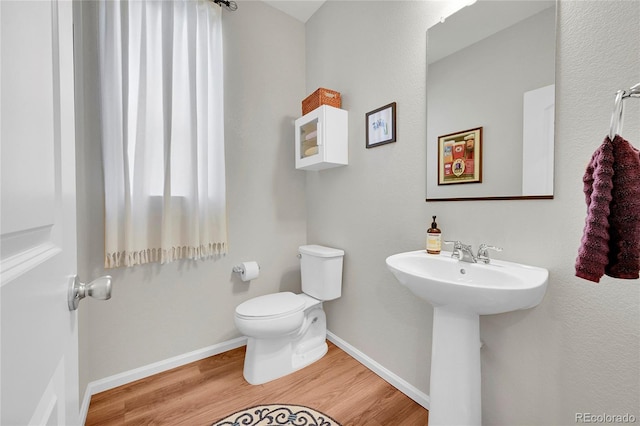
(484,289)
(460,292)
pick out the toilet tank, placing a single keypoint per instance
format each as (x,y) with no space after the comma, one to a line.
(321,271)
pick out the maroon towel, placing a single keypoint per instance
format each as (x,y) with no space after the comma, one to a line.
(611,240)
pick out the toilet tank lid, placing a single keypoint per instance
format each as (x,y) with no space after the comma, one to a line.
(321,251)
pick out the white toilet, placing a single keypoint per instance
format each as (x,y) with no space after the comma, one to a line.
(288,331)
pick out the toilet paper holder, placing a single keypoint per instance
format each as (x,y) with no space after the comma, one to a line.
(239,269)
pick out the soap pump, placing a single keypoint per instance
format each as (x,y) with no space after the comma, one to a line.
(434,238)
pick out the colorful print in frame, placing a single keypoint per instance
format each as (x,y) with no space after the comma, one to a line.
(460,157)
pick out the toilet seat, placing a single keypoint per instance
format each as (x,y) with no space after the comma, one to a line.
(271,306)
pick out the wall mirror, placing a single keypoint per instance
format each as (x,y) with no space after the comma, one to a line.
(491,65)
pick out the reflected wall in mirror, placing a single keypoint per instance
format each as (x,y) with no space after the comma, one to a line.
(492,65)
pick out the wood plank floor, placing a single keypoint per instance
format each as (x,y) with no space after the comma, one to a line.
(205,391)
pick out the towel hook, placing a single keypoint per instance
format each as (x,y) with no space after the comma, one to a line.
(633,92)
(617,115)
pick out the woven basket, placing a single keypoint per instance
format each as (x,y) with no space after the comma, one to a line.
(321,97)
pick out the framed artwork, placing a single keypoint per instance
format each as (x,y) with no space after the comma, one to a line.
(381,125)
(460,157)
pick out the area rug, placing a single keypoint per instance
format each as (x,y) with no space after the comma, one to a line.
(277,414)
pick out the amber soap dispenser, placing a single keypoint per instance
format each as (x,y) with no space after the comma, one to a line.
(434,238)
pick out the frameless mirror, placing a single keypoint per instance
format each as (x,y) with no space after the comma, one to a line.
(491,66)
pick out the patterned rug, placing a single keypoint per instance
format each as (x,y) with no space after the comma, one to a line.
(277,414)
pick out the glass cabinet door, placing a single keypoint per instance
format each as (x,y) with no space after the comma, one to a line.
(308,139)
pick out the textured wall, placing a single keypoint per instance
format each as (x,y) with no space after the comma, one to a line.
(576,352)
(157,312)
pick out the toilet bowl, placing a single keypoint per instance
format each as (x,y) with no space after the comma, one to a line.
(272,315)
(286,331)
(286,337)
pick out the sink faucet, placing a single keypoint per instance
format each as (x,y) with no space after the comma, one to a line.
(462,252)
(483,252)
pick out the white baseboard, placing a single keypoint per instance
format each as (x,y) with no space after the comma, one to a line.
(177,361)
(155,368)
(392,378)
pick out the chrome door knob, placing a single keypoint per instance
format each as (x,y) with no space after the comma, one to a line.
(100,289)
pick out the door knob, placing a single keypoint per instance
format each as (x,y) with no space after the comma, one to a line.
(100,289)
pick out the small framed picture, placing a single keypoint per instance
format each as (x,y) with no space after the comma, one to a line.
(381,125)
(460,157)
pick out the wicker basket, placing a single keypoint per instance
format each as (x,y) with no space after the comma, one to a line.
(321,97)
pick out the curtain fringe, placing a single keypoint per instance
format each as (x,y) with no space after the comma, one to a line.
(124,258)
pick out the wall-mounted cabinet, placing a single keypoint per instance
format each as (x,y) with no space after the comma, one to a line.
(322,139)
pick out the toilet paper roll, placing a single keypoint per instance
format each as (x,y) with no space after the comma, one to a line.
(250,271)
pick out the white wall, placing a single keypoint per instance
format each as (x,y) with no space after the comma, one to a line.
(577,351)
(158,312)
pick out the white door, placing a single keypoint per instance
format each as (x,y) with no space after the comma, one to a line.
(39,349)
(538,141)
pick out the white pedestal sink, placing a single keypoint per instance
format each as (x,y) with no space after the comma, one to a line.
(460,292)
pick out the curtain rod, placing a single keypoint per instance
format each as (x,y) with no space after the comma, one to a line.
(230,4)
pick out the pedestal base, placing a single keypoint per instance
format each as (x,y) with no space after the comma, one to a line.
(455,369)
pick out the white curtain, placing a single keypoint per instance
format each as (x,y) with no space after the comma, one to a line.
(162,130)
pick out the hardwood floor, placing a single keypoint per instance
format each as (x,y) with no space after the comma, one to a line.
(205,391)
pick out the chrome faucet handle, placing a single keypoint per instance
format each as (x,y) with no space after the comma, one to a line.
(462,251)
(466,247)
(457,249)
(467,254)
(483,252)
